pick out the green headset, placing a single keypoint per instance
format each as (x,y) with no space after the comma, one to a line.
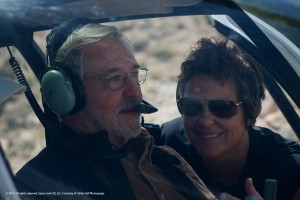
(61,89)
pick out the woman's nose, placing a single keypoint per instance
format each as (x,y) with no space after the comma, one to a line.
(206,118)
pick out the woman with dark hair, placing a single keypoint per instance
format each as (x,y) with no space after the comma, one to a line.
(219,95)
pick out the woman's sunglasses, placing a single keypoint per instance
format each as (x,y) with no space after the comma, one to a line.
(220,108)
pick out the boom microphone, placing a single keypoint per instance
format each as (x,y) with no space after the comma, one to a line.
(145,107)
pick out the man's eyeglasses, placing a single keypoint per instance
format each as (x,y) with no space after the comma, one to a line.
(220,108)
(116,80)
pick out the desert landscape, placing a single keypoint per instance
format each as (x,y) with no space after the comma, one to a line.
(161,45)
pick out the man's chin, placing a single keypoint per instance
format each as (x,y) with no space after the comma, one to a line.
(124,125)
(129,127)
(124,134)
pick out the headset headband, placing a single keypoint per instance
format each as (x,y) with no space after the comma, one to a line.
(59,35)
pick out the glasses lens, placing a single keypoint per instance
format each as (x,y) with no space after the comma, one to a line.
(142,74)
(190,107)
(115,80)
(223,108)
(220,108)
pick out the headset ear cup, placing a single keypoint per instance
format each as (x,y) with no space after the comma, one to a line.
(58,92)
(61,93)
(62,90)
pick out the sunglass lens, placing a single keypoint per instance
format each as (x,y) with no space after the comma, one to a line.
(190,107)
(223,108)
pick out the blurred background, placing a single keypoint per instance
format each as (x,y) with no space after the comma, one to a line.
(161,45)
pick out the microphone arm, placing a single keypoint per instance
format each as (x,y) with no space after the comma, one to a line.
(145,107)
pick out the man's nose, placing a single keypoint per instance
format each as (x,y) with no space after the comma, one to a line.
(132,88)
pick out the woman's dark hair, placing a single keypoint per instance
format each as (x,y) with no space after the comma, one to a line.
(225,61)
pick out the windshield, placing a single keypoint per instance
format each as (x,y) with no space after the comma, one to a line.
(159,46)
(163,33)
